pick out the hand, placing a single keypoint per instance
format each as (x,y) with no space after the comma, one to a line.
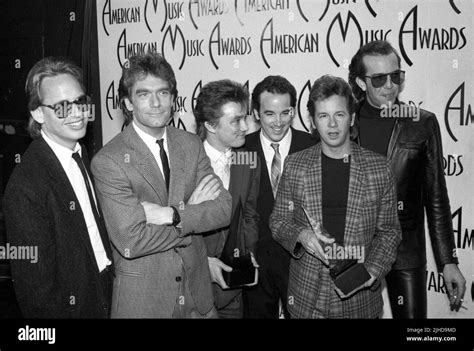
(456,285)
(156,214)
(311,242)
(367,284)
(215,267)
(208,189)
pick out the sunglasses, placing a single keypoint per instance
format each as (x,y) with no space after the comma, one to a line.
(64,108)
(379,80)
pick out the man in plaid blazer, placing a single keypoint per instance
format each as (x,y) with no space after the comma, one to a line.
(348,189)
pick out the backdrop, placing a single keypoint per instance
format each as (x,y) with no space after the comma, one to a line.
(246,40)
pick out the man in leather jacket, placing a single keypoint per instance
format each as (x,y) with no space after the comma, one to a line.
(412,144)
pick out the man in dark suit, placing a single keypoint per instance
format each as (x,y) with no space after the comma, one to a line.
(158,191)
(50,204)
(412,145)
(273,103)
(220,113)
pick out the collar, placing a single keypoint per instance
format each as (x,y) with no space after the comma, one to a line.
(63,153)
(214,154)
(149,140)
(284,143)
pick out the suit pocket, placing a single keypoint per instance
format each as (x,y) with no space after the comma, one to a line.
(128,273)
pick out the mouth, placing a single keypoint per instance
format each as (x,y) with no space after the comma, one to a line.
(278,130)
(333,135)
(79,124)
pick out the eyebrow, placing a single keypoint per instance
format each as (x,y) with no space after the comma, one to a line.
(145,90)
(64,100)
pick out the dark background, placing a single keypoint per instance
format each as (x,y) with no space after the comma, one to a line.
(31,30)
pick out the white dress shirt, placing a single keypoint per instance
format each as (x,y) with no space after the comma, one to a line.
(76,179)
(220,162)
(269,152)
(150,142)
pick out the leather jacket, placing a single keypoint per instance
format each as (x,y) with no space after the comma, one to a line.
(416,158)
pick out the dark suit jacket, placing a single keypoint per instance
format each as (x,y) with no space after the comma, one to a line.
(41,209)
(243,186)
(150,258)
(299,141)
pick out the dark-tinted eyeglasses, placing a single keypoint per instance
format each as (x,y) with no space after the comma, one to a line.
(379,80)
(64,108)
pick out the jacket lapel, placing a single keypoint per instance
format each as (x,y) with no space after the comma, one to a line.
(68,199)
(146,163)
(177,158)
(313,187)
(355,195)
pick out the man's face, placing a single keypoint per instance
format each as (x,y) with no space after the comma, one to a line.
(380,64)
(151,102)
(65,131)
(230,130)
(333,121)
(275,115)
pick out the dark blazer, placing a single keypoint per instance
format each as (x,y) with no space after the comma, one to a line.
(41,209)
(371,223)
(299,141)
(244,185)
(150,258)
(415,154)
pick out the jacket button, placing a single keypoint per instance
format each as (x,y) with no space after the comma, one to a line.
(178,279)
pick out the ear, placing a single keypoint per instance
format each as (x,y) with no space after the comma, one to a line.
(209,127)
(353,119)
(361,84)
(38,115)
(128,104)
(311,120)
(256,115)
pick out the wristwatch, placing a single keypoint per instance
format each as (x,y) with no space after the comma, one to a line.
(176,217)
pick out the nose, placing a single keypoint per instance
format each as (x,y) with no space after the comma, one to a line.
(243,125)
(154,100)
(74,110)
(388,83)
(332,121)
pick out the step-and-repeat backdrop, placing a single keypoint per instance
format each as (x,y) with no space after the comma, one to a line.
(246,40)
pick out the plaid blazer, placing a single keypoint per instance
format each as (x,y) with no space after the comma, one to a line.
(371,222)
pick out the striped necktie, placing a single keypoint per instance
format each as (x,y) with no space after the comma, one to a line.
(276,168)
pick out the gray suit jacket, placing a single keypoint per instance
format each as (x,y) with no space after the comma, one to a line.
(150,259)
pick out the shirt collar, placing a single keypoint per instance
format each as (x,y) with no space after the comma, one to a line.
(63,153)
(149,140)
(284,143)
(214,154)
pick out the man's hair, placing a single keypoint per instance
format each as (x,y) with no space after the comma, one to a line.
(139,67)
(357,67)
(212,97)
(274,85)
(46,68)
(327,86)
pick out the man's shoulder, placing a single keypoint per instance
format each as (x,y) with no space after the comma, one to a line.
(252,140)
(303,157)
(182,135)
(302,140)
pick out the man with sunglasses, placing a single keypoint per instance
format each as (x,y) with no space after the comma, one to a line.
(50,204)
(412,145)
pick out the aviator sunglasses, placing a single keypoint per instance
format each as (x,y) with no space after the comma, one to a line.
(379,80)
(63,109)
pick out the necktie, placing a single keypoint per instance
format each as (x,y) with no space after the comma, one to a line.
(164,163)
(95,212)
(276,168)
